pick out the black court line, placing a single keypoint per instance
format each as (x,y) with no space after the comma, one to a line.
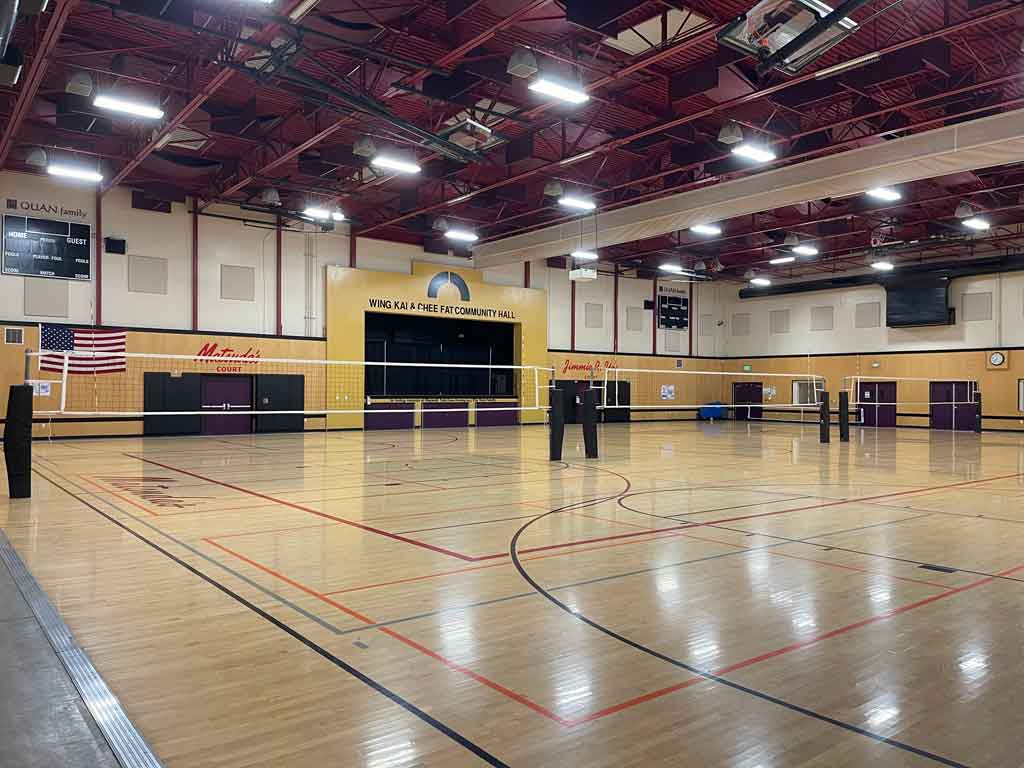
(514,554)
(409,707)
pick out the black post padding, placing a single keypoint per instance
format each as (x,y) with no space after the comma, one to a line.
(556,422)
(18,441)
(844,417)
(590,422)
(977,417)
(825,432)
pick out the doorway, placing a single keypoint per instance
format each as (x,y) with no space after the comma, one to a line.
(221,395)
(952,406)
(748,393)
(877,403)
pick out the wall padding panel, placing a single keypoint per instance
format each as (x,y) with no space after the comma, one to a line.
(45,297)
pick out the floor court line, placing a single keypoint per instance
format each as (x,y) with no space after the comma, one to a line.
(412,709)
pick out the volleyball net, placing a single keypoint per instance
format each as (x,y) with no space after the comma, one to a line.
(743,394)
(101,384)
(888,401)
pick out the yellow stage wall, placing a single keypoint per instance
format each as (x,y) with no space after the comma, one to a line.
(432,290)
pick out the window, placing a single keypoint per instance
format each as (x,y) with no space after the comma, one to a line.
(804,392)
(593,315)
(822,318)
(976,307)
(1020,395)
(741,324)
(14,335)
(868,314)
(779,321)
(634,318)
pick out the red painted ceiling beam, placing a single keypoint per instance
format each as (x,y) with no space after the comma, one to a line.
(448,59)
(686,119)
(34,78)
(218,82)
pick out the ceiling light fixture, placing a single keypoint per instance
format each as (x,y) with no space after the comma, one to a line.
(578,203)
(883,266)
(71,172)
(977,223)
(338,216)
(127,107)
(760,282)
(700,266)
(674,269)
(782,260)
(706,229)
(805,250)
(886,194)
(462,235)
(731,133)
(860,61)
(559,91)
(759,154)
(964,210)
(394,164)
(316,212)
(584,255)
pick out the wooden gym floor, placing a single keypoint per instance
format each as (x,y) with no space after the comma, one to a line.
(714,595)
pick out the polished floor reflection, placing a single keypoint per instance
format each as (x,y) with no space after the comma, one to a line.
(714,595)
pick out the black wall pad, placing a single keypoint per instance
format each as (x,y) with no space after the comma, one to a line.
(825,436)
(18,441)
(844,416)
(590,422)
(556,422)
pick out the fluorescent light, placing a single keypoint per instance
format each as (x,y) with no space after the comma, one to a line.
(128,107)
(394,164)
(70,172)
(338,216)
(317,213)
(706,229)
(675,269)
(579,203)
(860,61)
(884,193)
(462,235)
(478,126)
(883,266)
(805,250)
(754,152)
(584,255)
(783,260)
(761,282)
(976,222)
(558,91)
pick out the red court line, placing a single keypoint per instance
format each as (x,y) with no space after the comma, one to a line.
(498,687)
(369,528)
(872,620)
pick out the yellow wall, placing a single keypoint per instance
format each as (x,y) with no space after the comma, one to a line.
(351,293)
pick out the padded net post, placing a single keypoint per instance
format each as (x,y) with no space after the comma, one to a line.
(590,422)
(977,416)
(844,416)
(825,433)
(18,441)
(556,420)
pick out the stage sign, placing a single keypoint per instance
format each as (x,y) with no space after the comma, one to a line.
(46,248)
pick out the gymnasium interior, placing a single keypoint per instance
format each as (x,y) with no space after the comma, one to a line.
(441,383)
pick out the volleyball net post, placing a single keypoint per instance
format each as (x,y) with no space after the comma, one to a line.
(844,416)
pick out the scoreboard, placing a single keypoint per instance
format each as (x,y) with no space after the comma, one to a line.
(673,312)
(46,248)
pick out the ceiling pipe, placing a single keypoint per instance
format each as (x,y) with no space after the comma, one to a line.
(41,58)
(686,119)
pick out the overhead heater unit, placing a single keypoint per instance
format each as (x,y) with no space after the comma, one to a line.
(583,274)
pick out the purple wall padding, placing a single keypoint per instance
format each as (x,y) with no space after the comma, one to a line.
(381,419)
(492,418)
(434,415)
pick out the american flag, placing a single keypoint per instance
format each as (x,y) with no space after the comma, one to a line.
(104,350)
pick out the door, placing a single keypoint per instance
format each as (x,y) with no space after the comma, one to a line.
(748,392)
(877,403)
(220,396)
(951,405)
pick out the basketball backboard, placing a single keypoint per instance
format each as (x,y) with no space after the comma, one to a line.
(771,24)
